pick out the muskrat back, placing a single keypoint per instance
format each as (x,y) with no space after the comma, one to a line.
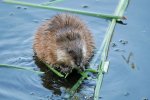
(65,42)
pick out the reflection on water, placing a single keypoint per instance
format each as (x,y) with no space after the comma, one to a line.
(127,56)
(54,82)
(129,60)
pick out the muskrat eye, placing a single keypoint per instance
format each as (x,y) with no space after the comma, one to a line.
(70,51)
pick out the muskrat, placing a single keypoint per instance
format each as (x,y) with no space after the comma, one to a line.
(64,42)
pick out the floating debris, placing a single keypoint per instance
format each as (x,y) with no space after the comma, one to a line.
(145,98)
(121,22)
(25,8)
(119,50)
(18,7)
(84,6)
(123,42)
(133,66)
(128,58)
(113,44)
(100,97)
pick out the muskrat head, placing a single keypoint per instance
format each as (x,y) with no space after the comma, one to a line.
(76,54)
(72,54)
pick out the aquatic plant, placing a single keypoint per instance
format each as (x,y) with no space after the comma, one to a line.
(94,14)
(105,46)
(22,68)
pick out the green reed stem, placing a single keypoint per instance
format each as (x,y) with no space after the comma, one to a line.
(54,70)
(78,83)
(22,68)
(91,70)
(105,45)
(61,75)
(94,14)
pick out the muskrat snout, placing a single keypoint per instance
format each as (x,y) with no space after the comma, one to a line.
(80,68)
(79,63)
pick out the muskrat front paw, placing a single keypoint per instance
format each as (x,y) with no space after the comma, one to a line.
(66,70)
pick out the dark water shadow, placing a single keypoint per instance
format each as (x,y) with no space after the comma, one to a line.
(53,82)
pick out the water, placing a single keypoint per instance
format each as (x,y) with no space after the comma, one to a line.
(125,79)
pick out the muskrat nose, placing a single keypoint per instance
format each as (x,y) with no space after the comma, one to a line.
(82,68)
(78,64)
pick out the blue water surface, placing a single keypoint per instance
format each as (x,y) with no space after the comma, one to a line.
(129,80)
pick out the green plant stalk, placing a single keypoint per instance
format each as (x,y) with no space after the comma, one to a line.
(39,72)
(61,75)
(78,83)
(91,70)
(103,59)
(94,14)
(119,11)
(31,69)
(55,71)
(105,46)
(22,68)
(52,2)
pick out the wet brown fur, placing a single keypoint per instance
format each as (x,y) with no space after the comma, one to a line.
(63,31)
